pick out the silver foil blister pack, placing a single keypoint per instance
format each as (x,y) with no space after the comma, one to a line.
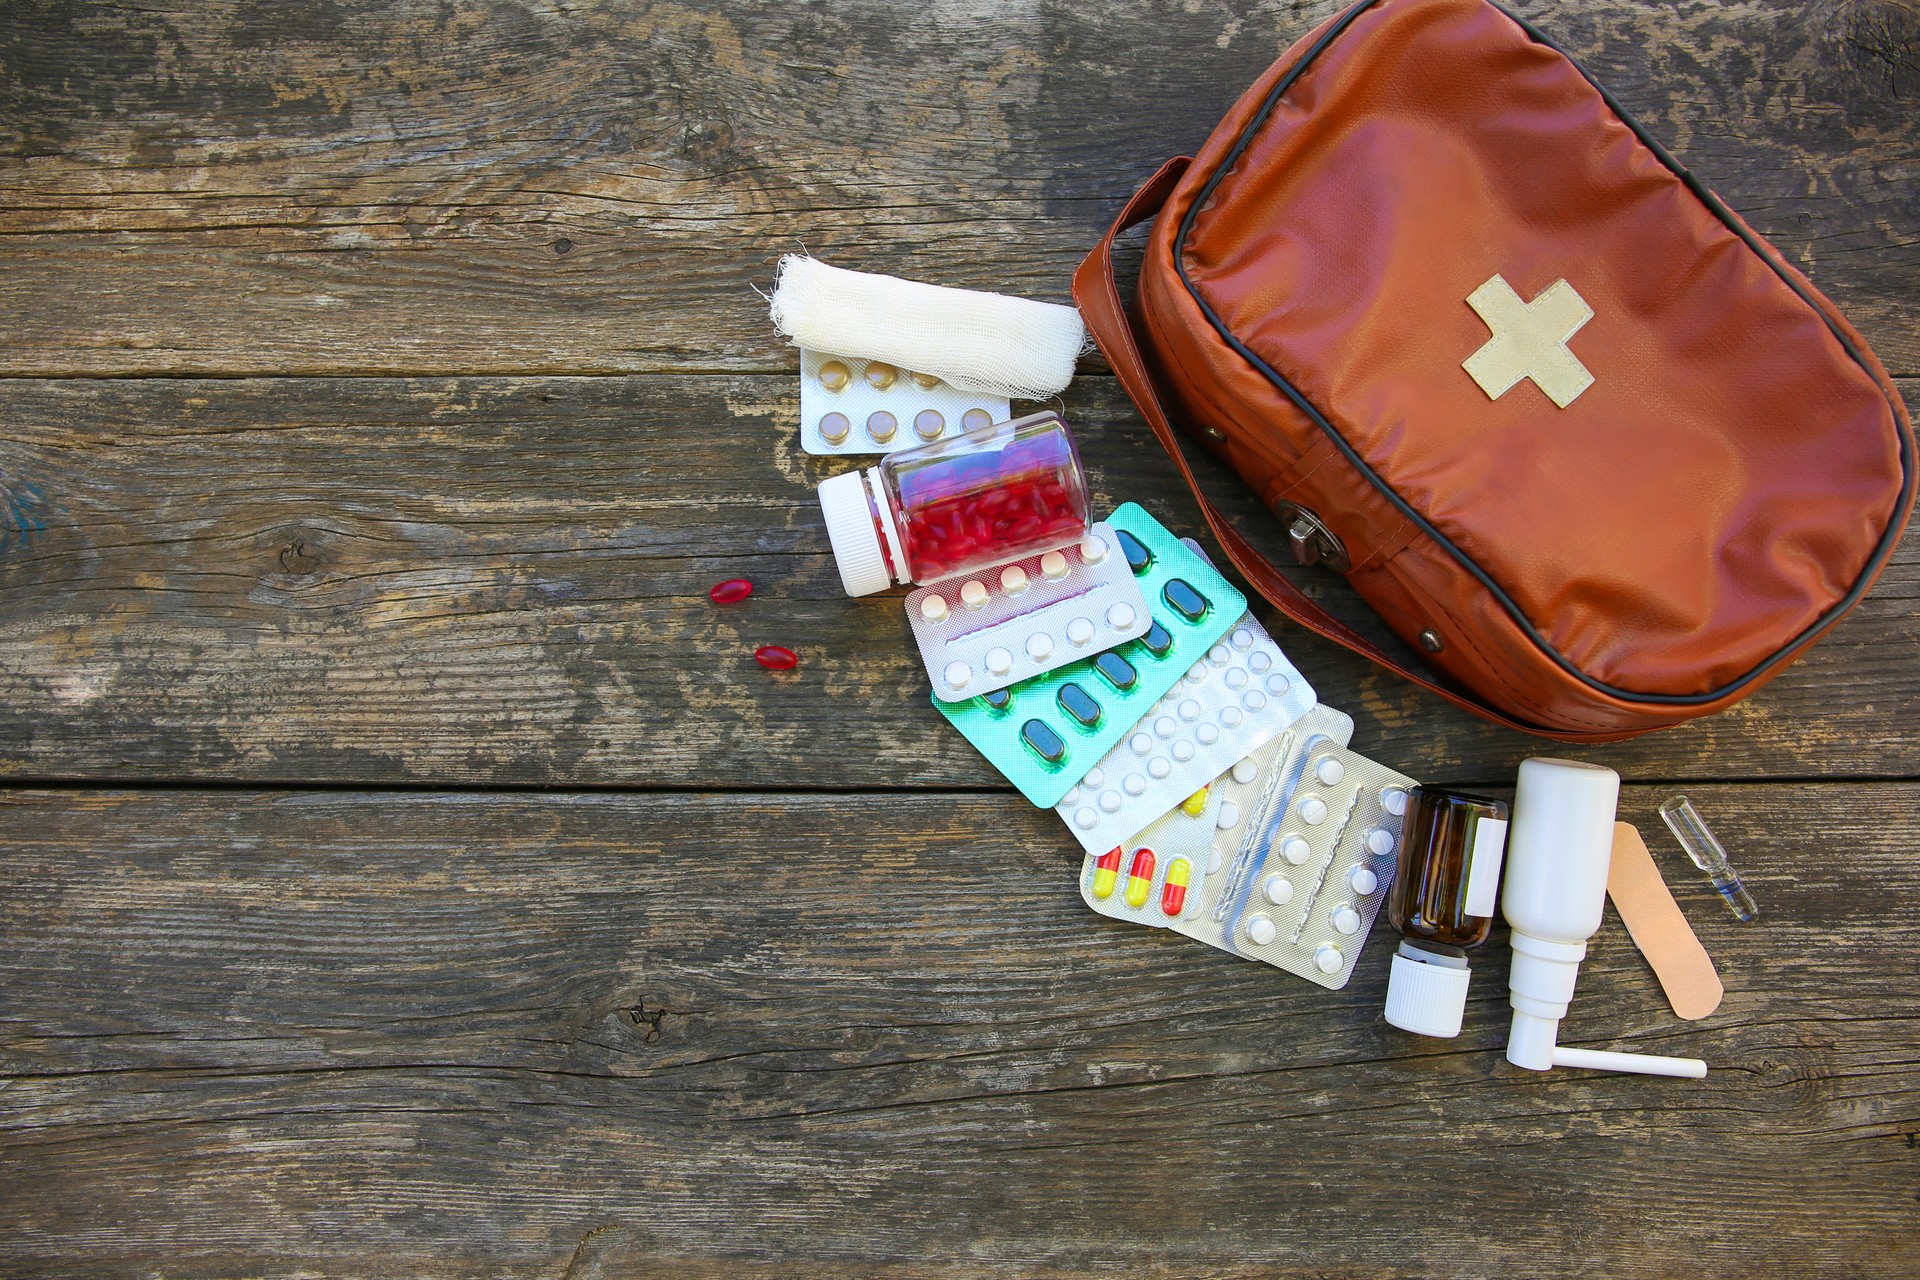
(1027,617)
(1308,900)
(1237,697)
(850,406)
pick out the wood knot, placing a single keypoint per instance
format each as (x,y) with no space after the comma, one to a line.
(562,246)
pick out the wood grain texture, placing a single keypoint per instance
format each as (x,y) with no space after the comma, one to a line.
(500,186)
(458,1035)
(503,581)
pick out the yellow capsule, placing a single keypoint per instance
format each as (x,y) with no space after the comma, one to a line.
(1173,894)
(1194,805)
(880,375)
(1106,873)
(924,381)
(1140,878)
(835,376)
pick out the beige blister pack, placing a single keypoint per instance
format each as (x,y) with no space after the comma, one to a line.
(850,405)
(1308,897)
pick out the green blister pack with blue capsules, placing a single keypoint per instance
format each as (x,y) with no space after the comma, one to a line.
(1045,733)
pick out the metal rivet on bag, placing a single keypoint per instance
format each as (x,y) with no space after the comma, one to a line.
(1215,433)
(1430,641)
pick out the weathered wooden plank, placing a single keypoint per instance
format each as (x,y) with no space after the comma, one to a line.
(497,187)
(454,1035)
(502,581)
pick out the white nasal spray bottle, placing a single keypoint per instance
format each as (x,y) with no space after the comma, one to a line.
(1558,851)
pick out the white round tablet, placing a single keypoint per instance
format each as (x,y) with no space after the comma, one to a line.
(1363,880)
(1095,776)
(1253,699)
(999,661)
(1110,801)
(1120,617)
(934,608)
(1053,565)
(1228,816)
(1159,766)
(1165,726)
(1278,890)
(1092,549)
(1085,817)
(1379,842)
(1183,751)
(1259,661)
(1189,709)
(1345,919)
(1013,579)
(1039,645)
(1207,734)
(1236,679)
(1278,684)
(959,675)
(1329,771)
(1242,638)
(1135,784)
(1140,743)
(1080,632)
(973,593)
(1218,655)
(1261,930)
(1313,811)
(1245,770)
(1394,801)
(1327,958)
(1296,851)
(1231,716)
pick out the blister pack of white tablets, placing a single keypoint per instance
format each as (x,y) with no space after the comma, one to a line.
(1152,880)
(1027,617)
(850,405)
(1235,699)
(1249,794)
(1188,849)
(1307,905)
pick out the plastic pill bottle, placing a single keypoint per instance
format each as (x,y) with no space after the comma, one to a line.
(956,506)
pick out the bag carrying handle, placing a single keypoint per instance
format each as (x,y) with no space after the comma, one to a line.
(1097,294)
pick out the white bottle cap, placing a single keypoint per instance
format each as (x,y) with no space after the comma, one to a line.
(1427,991)
(857,548)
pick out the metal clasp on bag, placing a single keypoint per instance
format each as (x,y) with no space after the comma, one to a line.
(1311,540)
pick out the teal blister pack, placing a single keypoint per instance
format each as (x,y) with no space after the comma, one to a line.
(1045,733)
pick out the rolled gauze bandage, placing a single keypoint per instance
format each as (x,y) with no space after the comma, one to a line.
(984,342)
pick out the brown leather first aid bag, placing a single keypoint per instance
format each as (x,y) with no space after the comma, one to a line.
(1561,417)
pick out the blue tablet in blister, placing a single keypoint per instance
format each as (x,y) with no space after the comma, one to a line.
(1045,733)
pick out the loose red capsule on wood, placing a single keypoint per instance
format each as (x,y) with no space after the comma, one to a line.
(732,591)
(776,657)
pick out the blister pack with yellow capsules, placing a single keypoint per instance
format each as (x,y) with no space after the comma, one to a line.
(850,405)
(1149,879)
(1163,873)
(1306,903)
(1044,734)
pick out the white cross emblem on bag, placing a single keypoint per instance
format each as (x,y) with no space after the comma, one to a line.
(1529,340)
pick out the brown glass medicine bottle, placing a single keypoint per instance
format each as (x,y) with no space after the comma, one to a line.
(1442,902)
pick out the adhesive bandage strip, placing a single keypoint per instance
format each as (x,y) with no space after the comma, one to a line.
(1659,929)
(1044,734)
(1027,617)
(850,406)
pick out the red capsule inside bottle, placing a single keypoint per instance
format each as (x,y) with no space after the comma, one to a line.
(959,505)
(776,657)
(732,591)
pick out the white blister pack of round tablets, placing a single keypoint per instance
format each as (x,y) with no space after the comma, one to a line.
(1027,617)
(1306,906)
(1249,794)
(849,405)
(1240,695)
